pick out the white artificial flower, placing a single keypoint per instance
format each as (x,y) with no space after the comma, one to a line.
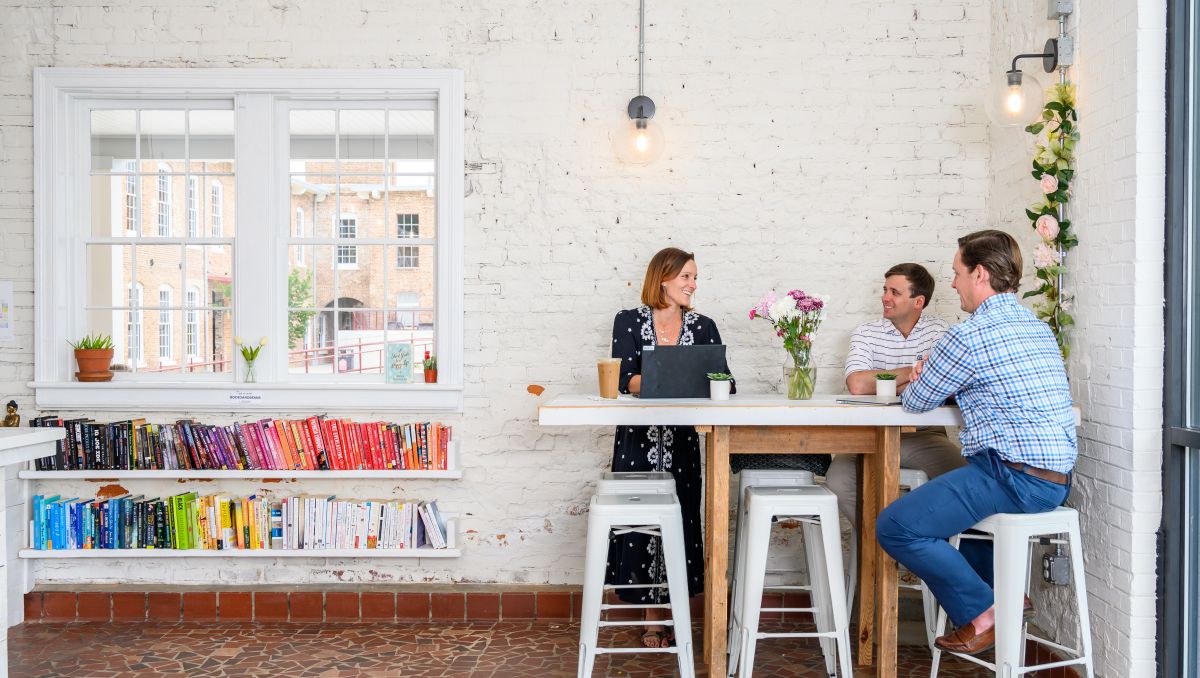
(784,308)
(263,341)
(237,340)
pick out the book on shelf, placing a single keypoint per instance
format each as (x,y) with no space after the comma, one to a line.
(316,443)
(189,521)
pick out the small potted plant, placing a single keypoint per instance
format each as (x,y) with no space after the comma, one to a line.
(94,354)
(885,384)
(718,385)
(430,365)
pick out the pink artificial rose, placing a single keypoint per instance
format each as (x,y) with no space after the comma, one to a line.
(1047,227)
(1045,256)
(1049,183)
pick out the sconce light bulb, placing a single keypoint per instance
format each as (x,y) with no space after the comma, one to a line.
(1015,100)
(642,142)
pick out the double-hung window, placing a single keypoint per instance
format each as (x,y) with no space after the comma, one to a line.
(319,209)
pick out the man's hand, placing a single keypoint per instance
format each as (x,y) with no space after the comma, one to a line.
(917,366)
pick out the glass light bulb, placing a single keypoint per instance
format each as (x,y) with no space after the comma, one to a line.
(1014,102)
(639,141)
(643,141)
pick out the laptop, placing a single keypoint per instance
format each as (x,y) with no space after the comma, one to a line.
(680,371)
(869,400)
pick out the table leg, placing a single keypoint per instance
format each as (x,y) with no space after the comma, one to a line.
(868,508)
(716,542)
(888,483)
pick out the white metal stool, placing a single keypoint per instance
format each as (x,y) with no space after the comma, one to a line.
(635,482)
(651,514)
(1014,535)
(775,478)
(817,507)
(910,478)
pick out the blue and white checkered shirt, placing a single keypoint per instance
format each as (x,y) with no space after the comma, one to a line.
(1004,368)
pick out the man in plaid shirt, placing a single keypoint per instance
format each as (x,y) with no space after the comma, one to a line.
(1003,367)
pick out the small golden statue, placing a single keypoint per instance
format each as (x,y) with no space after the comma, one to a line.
(12,418)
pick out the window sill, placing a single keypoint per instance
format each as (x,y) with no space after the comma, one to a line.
(230,397)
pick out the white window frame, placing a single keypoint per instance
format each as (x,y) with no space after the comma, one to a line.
(166,326)
(62,97)
(163,194)
(135,329)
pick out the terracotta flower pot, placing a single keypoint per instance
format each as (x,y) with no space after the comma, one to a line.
(430,376)
(93,364)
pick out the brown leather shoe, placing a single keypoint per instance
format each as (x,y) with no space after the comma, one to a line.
(964,640)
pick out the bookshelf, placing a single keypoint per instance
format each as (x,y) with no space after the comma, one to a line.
(451,551)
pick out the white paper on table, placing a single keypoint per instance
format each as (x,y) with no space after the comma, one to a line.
(6,311)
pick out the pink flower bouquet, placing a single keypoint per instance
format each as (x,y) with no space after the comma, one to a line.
(795,317)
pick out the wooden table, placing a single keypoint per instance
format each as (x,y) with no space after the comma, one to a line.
(748,424)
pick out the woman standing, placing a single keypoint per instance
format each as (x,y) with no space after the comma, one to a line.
(665,318)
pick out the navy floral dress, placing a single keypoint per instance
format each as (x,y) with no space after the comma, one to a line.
(637,558)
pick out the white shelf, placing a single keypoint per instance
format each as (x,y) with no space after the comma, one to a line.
(451,551)
(423,552)
(216,475)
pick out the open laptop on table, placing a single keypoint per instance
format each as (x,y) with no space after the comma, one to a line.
(680,371)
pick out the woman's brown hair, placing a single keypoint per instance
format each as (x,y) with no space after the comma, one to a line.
(665,266)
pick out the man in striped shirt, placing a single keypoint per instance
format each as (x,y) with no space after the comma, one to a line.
(892,344)
(1004,368)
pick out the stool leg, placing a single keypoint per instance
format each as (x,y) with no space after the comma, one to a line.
(1011,550)
(929,608)
(940,628)
(831,534)
(673,550)
(818,590)
(1081,601)
(739,554)
(852,579)
(758,538)
(595,563)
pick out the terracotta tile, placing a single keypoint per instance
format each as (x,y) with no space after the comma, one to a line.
(554,605)
(163,606)
(341,606)
(449,606)
(94,606)
(129,606)
(514,605)
(378,605)
(200,606)
(576,604)
(620,614)
(483,606)
(273,606)
(412,606)
(58,606)
(235,606)
(771,600)
(306,606)
(33,606)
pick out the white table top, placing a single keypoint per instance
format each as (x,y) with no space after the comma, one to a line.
(740,410)
(19,444)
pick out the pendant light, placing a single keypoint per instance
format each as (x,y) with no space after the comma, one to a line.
(639,140)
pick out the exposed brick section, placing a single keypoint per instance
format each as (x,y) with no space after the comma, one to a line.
(200,606)
(235,606)
(164,606)
(447,606)
(33,606)
(128,606)
(554,605)
(344,606)
(412,606)
(517,605)
(483,606)
(273,606)
(377,605)
(94,606)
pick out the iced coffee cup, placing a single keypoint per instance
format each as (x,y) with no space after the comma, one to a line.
(609,370)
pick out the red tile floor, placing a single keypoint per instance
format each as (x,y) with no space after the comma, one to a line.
(541,649)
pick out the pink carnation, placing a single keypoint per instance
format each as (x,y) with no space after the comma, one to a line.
(1047,227)
(1049,183)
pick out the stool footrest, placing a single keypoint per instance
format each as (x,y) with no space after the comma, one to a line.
(636,606)
(788,587)
(813,634)
(788,609)
(635,650)
(616,587)
(655,622)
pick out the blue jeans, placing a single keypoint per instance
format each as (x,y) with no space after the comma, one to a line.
(914,529)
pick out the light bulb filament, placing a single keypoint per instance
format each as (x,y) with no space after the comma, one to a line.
(1014,101)
(642,142)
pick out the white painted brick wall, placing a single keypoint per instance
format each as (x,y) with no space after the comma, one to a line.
(1116,273)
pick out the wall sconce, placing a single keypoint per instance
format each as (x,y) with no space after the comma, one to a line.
(1016,100)
(640,140)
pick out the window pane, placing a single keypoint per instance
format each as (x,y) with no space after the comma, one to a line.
(163,330)
(114,135)
(361,142)
(109,271)
(162,135)
(159,266)
(209,269)
(310,335)
(411,135)
(115,208)
(211,141)
(313,193)
(313,136)
(210,334)
(360,340)
(412,273)
(363,283)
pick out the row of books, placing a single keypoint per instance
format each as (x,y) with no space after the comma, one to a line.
(315,443)
(222,522)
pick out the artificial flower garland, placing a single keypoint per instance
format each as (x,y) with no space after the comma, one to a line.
(1054,168)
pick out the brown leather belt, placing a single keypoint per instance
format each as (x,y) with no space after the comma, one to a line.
(1043,474)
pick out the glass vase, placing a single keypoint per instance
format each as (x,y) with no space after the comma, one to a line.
(799,377)
(249,376)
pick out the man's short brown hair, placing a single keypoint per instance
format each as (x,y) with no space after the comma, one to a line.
(920,283)
(665,266)
(997,252)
